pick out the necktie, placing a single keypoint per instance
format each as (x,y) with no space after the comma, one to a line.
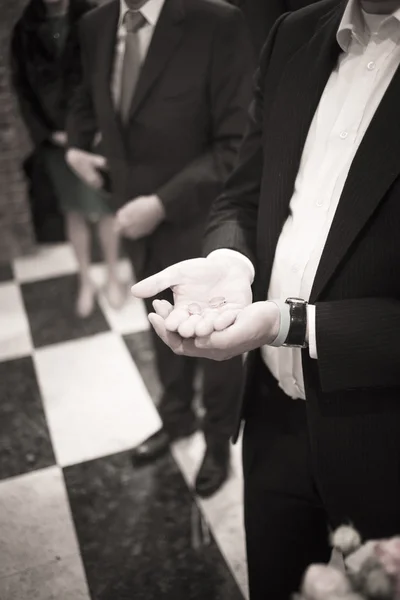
(133,21)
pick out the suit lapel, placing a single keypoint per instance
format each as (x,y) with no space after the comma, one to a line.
(105,65)
(108,40)
(374,169)
(166,37)
(300,88)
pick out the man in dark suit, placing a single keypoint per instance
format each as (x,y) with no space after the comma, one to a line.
(313,211)
(167,85)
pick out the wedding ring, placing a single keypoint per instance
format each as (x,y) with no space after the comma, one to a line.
(194,309)
(217,302)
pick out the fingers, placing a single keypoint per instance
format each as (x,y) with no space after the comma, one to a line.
(173,340)
(86,166)
(157,283)
(215,320)
(87,171)
(77,158)
(205,326)
(95,162)
(188,327)
(99,162)
(176,318)
(215,346)
(179,320)
(162,308)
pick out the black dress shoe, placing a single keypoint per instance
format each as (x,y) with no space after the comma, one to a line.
(214,469)
(157,445)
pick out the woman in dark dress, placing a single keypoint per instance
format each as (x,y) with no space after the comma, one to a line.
(46,69)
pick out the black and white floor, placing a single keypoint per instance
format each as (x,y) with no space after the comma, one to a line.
(77,522)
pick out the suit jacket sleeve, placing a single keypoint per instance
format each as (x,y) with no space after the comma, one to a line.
(31,112)
(81,121)
(358,343)
(233,219)
(189,194)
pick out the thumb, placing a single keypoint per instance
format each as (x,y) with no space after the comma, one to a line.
(157,283)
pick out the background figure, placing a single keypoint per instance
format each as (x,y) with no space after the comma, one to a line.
(46,69)
(171,116)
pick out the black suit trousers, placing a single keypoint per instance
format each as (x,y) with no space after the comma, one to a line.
(222,381)
(288,514)
(220,390)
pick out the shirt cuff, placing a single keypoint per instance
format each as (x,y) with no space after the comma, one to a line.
(312,338)
(228,252)
(284,324)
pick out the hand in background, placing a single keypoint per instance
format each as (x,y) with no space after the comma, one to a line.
(196,282)
(59,138)
(86,166)
(140,217)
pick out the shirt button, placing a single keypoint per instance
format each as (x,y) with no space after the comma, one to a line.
(295,268)
(343,135)
(319,202)
(56,36)
(371,65)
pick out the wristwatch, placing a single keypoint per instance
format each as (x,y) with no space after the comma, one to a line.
(296,337)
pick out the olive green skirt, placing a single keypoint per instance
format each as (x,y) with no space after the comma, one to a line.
(72,193)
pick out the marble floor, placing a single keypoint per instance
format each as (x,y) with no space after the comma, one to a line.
(77,521)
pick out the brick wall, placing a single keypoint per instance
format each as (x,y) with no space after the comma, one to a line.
(16,236)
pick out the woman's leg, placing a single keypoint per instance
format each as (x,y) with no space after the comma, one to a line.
(109,240)
(79,235)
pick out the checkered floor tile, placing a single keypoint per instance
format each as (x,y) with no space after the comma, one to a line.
(77,521)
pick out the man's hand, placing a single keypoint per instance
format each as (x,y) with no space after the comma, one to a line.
(198,281)
(254,326)
(86,166)
(59,138)
(140,217)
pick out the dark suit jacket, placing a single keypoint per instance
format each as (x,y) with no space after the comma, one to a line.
(187,117)
(353,389)
(261,15)
(43,79)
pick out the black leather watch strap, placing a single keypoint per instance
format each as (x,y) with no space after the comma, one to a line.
(296,337)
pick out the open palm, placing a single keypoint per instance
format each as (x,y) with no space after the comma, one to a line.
(196,282)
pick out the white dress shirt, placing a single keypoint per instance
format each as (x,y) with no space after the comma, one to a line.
(371,55)
(151,12)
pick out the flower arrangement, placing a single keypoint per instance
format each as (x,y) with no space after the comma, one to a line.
(372,571)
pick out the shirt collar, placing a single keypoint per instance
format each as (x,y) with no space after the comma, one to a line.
(353,26)
(151,11)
